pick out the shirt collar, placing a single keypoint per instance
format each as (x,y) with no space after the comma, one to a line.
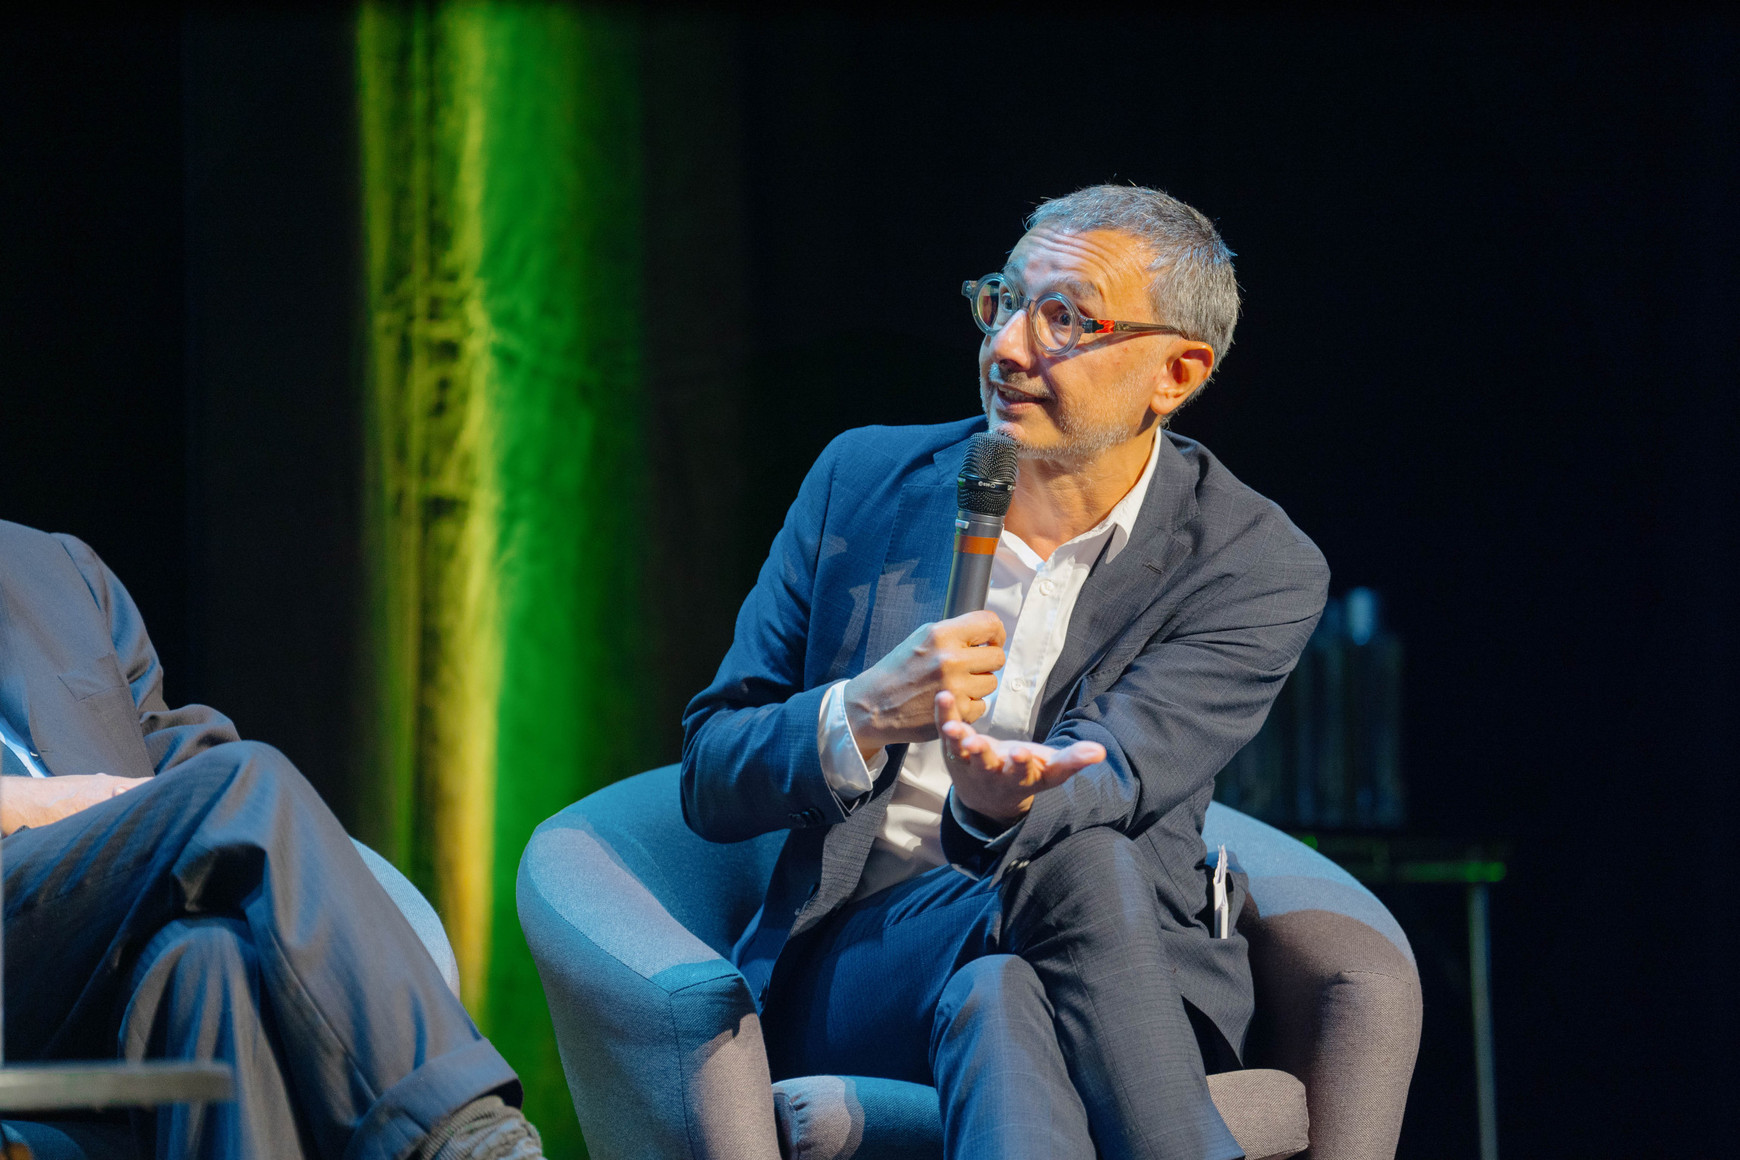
(1119,523)
(1122,517)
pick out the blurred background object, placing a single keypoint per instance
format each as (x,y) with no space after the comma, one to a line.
(1330,754)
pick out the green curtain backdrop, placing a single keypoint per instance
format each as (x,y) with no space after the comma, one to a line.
(501,195)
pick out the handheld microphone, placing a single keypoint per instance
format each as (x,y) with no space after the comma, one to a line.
(983,489)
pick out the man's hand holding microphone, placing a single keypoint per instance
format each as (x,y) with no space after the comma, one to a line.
(935,682)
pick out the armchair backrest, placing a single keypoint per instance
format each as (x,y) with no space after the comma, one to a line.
(713,890)
(1286,875)
(630,917)
(417,912)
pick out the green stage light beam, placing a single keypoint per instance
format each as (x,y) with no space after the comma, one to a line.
(506,465)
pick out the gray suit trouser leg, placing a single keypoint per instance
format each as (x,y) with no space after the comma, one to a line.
(195,994)
(994,1051)
(1084,1046)
(220,911)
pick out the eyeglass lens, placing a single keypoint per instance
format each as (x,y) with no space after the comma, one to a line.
(989,307)
(1055,322)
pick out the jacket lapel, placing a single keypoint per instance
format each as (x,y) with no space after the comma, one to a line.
(909,592)
(915,575)
(1118,591)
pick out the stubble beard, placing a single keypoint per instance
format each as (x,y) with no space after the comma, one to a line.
(1079,440)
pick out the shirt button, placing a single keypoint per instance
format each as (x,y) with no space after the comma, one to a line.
(1018,683)
(1047,587)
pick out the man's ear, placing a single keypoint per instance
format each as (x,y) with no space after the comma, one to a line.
(1186,370)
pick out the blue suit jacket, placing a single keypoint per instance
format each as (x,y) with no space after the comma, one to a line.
(1175,652)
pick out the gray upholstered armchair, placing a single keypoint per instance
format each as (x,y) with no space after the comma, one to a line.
(630,917)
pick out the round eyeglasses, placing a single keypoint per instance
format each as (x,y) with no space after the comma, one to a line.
(1055,322)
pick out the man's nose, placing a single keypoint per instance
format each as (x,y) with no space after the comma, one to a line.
(1012,343)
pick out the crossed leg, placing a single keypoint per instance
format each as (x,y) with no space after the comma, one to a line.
(373,1050)
(195,994)
(1045,1011)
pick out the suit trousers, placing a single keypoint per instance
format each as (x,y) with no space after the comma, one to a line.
(1044,1009)
(219,911)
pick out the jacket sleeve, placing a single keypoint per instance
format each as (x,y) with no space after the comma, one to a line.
(171,735)
(751,762)
(1187,702)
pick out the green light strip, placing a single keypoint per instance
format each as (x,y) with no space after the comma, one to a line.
(1472,872)
(501,196)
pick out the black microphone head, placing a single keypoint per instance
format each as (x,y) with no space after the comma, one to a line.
(986,484)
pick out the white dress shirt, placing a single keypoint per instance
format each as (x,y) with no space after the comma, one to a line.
(1034,599)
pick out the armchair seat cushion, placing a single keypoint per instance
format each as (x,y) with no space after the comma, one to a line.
(854,1117)
(1264,1110)
(834,1117)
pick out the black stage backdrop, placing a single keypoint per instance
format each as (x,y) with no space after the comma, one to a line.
(1488,363)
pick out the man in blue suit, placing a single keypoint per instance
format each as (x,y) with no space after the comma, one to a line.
(995,879)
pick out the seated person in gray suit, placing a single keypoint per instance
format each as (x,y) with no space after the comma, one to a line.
(175,892)
(995,879)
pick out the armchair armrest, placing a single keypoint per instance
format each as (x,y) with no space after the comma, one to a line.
(1338,994)
(417,912)
(658,1034)
(1339,1007)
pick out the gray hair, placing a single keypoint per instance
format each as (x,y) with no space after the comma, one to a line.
(1193,287)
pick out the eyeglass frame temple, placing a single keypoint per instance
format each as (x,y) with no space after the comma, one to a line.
(970,290)
(1110,325)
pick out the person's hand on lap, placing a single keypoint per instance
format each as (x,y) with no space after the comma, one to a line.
(37,802)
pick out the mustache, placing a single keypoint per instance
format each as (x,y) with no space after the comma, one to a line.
(1030,386)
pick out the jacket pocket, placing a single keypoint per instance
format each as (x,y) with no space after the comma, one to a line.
(102,675)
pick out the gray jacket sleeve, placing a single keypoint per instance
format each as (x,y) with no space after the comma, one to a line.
(750,759)
(171,735)
(1187,701)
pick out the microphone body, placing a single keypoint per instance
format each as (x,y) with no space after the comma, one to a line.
(976,536)
(984,488)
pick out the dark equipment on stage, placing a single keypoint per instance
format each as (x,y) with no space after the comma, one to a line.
(1330,754)
(984,489)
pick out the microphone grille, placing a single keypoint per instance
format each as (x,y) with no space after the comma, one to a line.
(986,484)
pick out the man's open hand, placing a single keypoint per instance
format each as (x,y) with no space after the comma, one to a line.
(35,802)
(893,700)
(999,779)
